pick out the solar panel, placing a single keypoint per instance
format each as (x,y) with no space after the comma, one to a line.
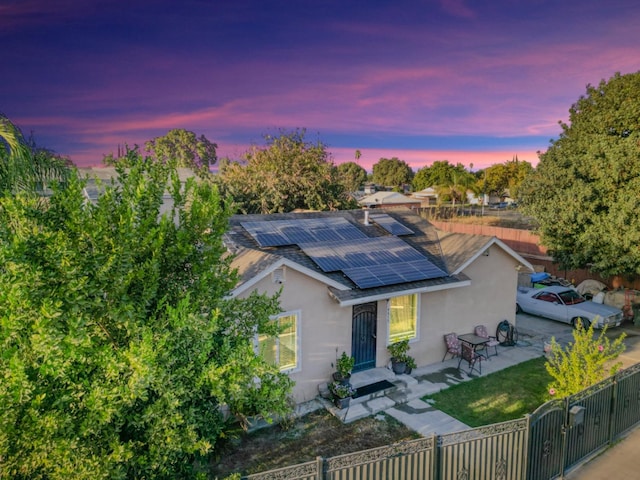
(334,256)
(390,224)
(266,234)
(278,233)
(393,273)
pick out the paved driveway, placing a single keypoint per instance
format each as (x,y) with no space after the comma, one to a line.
(542,330)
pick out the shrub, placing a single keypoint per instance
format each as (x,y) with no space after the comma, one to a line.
(583,362)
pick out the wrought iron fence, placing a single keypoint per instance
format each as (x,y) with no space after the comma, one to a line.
(543,446)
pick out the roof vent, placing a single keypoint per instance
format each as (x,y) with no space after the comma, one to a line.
(278,276)
(366,217)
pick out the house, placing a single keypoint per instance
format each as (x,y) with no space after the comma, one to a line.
(389,199)
(428,196)
(355,281)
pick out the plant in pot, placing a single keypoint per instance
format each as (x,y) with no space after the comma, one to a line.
(344,366)
(341,394)
(398,351)
(410,364)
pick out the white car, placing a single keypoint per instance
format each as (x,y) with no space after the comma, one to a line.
(566,305)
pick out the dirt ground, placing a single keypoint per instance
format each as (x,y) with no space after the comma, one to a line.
(316,434)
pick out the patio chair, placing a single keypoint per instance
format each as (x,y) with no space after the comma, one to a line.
(481,331)
(453,345)
(473,358)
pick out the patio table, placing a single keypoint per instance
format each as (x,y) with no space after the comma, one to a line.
(474,340)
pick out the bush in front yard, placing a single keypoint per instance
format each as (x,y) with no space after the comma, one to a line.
(583,362)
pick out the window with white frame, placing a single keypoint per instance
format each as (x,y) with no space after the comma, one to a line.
(403,318)
(283,349)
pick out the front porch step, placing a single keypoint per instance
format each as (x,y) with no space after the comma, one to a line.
(380,393)
(405,389)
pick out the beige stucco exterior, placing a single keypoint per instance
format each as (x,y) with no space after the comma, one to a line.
(325,327)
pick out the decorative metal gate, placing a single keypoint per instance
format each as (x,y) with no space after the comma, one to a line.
(546,437)
(363,335)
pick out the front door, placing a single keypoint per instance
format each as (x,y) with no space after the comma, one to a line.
(363,336)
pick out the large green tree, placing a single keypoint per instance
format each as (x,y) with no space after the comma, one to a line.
(122,356)
(352,175)
(505,178)
(392,172)
(584,191)
(179,147)
(289,173)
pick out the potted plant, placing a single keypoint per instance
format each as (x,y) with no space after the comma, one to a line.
(341,394)
(344,366)
(410,364)
(398,352)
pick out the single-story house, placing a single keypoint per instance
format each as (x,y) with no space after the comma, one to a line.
(428,196)
(389,199)
(355,281)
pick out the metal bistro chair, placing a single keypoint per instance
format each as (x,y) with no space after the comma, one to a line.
(481,331)
(473,358)
(453,346)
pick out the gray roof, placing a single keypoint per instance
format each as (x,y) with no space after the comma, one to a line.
(251,259)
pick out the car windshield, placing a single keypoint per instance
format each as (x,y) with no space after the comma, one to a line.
(571,297)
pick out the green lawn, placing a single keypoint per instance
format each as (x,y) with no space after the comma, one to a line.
(498,397)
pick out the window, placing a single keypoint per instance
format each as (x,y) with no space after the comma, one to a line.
(283,349)
(403,318)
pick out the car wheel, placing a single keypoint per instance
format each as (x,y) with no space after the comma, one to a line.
(518,309)
(580,322)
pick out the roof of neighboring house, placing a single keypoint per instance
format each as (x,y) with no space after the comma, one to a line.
(387,198)
(462,249)
(428,192)
(254,261)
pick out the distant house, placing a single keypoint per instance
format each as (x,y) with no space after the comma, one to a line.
(427,196)
(355,281)
(388,200)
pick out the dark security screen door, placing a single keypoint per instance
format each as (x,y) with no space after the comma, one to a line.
(363,337)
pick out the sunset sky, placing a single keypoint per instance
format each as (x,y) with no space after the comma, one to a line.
(458,80)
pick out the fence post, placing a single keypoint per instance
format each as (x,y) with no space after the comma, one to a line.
(435,467)
(320,468)
(525,456)
(613,407)
(565,438)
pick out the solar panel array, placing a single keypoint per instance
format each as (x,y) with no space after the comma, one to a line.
(278,233)
(335,244)
(394,273)
(335,256)
(390,224)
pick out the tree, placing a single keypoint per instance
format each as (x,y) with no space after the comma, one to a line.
(120,350)
(505,178)
(584,191)
(456,186)
(450,181)
(392,172)
(23,166)
(185,148)
(352,175)
(289,173)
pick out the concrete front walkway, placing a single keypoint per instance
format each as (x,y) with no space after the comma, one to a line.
(405,404)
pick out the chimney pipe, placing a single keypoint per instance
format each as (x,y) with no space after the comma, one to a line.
(366,217)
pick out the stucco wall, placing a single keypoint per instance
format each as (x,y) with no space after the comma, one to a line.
(488,300)
(324,329)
